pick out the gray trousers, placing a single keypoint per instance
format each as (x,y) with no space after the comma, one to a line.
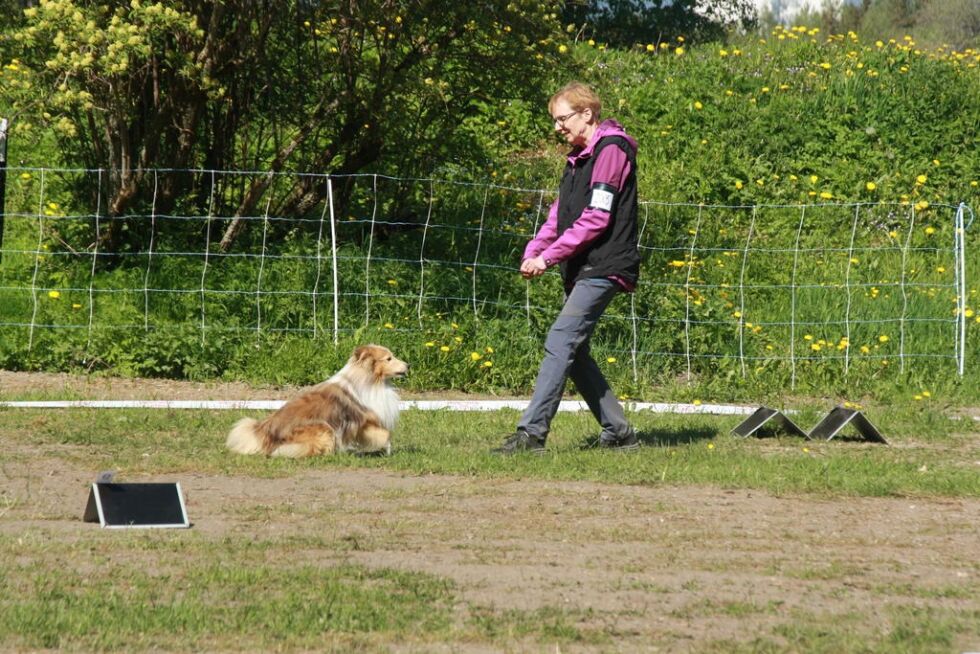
(566,354)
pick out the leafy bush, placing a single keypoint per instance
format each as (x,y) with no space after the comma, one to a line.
(796,119)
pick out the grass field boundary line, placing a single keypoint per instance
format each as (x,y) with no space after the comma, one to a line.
(422,405)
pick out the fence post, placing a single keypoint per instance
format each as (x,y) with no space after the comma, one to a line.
(3,178)
(959,244)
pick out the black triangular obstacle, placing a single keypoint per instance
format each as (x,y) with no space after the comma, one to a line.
(127,506)
(764,415)
(838,418)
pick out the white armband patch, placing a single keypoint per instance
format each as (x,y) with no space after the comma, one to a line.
(601,199)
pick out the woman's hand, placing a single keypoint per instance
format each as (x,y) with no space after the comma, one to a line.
(533,267)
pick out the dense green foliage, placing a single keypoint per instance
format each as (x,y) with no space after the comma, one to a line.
(798,118)
(283,85)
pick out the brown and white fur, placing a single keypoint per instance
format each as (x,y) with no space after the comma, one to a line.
(355,410)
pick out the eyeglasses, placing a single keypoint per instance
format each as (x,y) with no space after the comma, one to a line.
(560,120)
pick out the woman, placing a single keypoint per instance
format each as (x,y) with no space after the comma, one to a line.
(591,233)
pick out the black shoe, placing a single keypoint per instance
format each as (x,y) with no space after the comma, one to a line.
(520,441)
(628,443)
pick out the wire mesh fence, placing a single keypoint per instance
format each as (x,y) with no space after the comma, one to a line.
(825,285)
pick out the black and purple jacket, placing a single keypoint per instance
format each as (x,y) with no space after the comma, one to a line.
(591,228)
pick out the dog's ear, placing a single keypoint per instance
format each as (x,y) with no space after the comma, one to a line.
(362,352)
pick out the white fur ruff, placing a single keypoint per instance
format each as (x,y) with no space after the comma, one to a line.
(378,397)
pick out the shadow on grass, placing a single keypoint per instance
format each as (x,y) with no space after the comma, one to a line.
(675,437)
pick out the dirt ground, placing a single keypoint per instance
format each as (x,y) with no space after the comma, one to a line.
(660,568)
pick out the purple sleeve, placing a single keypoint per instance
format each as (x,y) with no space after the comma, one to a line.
(546,234)
(611,167)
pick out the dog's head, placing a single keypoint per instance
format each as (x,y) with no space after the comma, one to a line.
(379,362)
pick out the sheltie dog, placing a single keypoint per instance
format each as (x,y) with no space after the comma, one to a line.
(353,411)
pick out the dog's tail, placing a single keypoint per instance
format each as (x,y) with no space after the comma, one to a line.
(243,437)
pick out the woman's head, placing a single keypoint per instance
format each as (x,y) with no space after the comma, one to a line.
(575,111)
(579,97)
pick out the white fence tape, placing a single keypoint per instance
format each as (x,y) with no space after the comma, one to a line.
(421,405)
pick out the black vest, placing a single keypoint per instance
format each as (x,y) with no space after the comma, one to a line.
(615,251)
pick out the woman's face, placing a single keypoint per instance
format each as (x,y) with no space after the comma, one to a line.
(575,126)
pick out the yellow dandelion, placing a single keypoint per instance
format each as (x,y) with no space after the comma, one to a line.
(926,394)
(444,348)
(816,347)
(698,105)
(393,282)
(870,186)
(651,47)
(807,337)
(738,184)
(430,344)
(25,175)
(388,325)
(921,179)
(475,356)
(865,349)
(488,364)
(489,350)
(711,446)
(883,338)
(930,231)
(696,402)
(610,359)
(737,314)
(563,49)
(54,295)
(679,51)
(76,305)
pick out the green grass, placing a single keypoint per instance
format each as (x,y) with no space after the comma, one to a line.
(253,588)
(255,605)
(930,454)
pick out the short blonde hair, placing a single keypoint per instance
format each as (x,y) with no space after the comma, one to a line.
(579,97)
